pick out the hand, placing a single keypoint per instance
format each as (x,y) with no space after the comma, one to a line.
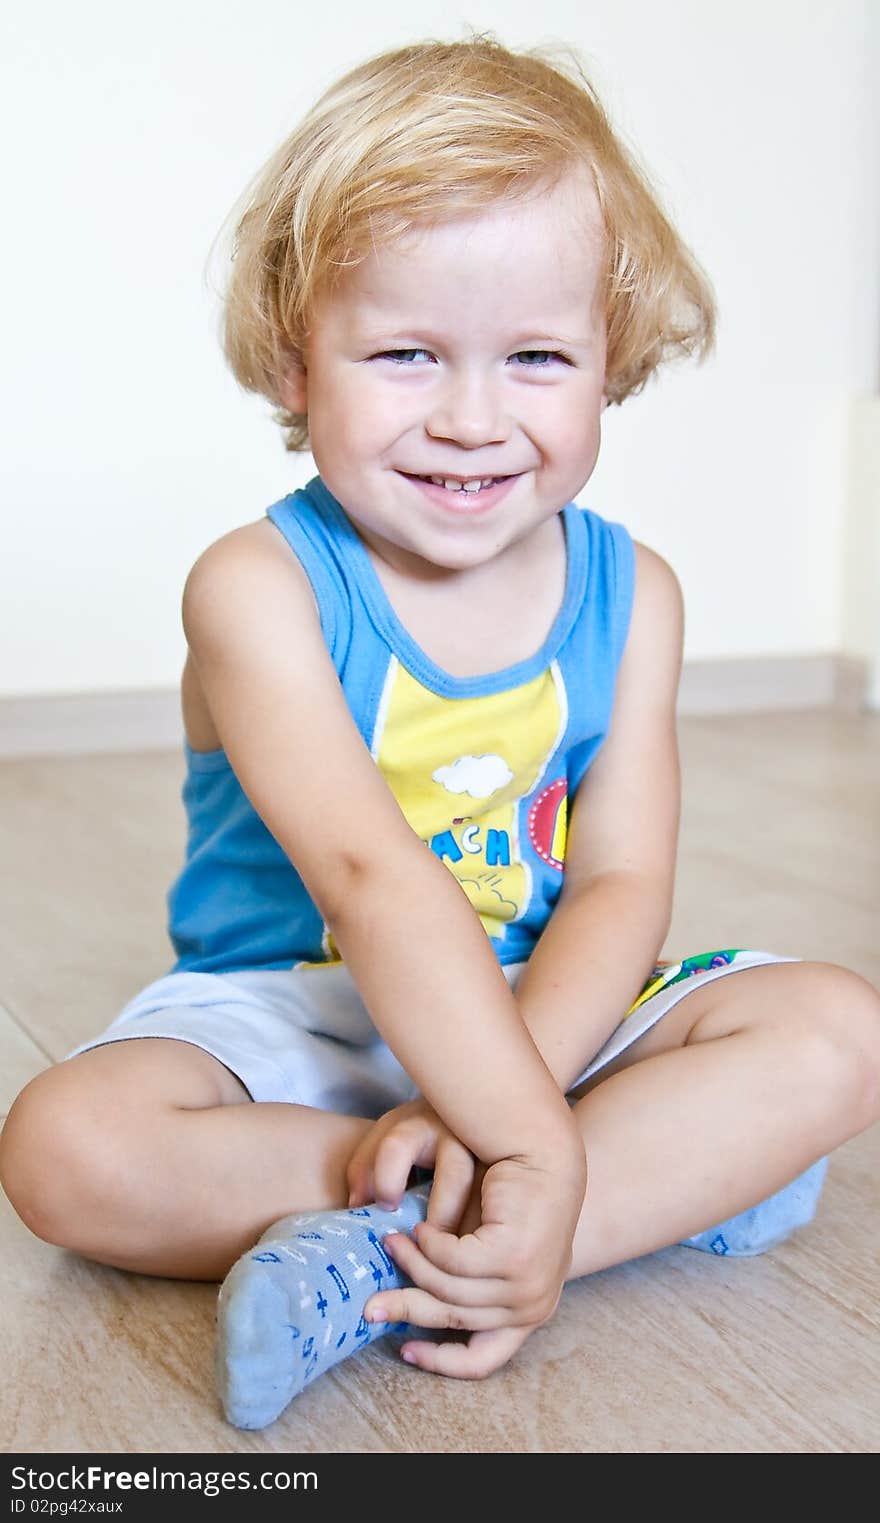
(379,1167)
(500,1281)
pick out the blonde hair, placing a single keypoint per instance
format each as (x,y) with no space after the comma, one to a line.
(436,130)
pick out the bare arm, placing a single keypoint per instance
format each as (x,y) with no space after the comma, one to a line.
(613,914)
(415,948)
(600,942)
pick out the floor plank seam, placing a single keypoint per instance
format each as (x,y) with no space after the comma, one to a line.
(344,1386)
(855,1314)
(8,1006)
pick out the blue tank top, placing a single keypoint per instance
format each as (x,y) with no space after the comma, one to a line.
(483,768)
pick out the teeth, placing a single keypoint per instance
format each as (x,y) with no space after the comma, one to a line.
(462,486)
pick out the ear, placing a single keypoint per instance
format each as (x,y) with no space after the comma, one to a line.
(293,390)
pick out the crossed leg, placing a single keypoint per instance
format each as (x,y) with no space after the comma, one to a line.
(149,1155)
(156,1160)
(743,1085)
(747,1081)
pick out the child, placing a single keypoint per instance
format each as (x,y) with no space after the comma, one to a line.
(433,789)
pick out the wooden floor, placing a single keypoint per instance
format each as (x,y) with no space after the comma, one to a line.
(680,1351)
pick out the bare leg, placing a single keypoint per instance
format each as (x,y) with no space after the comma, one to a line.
(149,1155)
(736,1091)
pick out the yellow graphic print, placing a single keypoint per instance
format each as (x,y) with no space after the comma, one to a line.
(458,768)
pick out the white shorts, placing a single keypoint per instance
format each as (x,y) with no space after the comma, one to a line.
(304,1035)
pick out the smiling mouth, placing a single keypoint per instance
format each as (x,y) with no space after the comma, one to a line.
(469,487)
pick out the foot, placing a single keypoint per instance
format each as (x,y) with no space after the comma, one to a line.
(292,1306)
(768,1223)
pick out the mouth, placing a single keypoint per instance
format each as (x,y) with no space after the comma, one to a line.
(471,497)
(462,486)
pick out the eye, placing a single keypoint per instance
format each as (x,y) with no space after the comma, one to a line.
(542,356)
(398,356)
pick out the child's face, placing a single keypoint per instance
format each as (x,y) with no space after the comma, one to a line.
(497,328)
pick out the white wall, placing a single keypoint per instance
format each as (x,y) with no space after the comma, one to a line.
(130,132)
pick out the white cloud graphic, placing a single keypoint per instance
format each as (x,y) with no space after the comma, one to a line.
(477,775)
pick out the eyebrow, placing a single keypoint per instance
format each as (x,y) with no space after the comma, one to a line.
(522,336)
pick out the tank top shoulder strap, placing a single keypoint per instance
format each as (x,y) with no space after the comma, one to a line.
(610,578)
(313,538)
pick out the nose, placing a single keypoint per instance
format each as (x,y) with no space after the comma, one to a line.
(467,408)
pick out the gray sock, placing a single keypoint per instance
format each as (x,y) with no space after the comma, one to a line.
(292,1306)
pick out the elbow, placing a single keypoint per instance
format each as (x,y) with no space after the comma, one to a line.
(345,889)
(391,885)
(635,896)
(355,885)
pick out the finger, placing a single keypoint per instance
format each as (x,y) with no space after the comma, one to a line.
(453,1178)
(489,1256)
(359,1177)
(481,1355)
(393,1161)
(478,1254)
(454,1291)
(356,1176)
(472,1215)
(424,1310)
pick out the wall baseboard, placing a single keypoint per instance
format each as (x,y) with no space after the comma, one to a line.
(72,724)
(744,684)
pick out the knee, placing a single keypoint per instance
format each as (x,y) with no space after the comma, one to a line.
(55,1163)
(841,1024)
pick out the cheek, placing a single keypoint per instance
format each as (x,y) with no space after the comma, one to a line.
(579,440)
(576,429)
(362,415)
(340,418)
(594,437)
